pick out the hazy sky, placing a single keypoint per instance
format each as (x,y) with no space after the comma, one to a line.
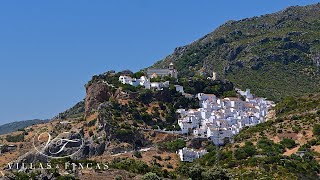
(50,49)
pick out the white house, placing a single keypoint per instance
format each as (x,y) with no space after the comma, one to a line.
(189,155)
(144,81)
(219,136)
(179,88)
(125,79)
(160,85)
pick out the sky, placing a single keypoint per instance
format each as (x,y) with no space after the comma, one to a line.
(50,49)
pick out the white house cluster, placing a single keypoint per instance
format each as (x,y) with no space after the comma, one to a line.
(220,119)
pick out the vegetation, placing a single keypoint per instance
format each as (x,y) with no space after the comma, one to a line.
(150,176)
(274,55)
(316,130)
(173,146)
(15,138)
(137,166)
(137,154)
(200,84)
(288,143)
(74,112)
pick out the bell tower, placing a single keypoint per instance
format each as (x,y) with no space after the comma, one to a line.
(171,66)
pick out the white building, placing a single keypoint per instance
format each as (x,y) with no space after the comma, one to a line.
(160,85)
(143,81)
(171,72)
(246,93)
(189,155)
(219,136)
(179,88)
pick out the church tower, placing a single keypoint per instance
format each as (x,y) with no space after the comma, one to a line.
(214,76)
(171,66)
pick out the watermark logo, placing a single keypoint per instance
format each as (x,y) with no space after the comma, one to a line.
(65,144)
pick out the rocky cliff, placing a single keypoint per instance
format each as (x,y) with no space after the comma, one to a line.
(97,92)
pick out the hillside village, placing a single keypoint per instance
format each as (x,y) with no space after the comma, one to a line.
(187,120)
(220,119)
(216,119)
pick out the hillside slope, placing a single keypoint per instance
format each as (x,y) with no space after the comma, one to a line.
(15,126)
(271,54)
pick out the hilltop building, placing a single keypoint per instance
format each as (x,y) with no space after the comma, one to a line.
(171,72)
(143,81)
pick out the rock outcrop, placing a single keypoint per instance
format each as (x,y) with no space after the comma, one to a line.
(96,93)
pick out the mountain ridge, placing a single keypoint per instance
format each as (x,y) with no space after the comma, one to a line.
(15,126)
(275,50)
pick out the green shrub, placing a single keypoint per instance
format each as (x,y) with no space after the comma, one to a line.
(118,177)
(131,165)
(288,143)
(316,130)
(158,157)
(137,154)
(174,145)
(150,176)
(92,123)
(15,138)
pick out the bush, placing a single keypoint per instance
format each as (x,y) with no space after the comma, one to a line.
(150,176)
(131,165)
(195,172)
(246,151)
(15,138)
(169,166)
(158,157)
(128,87)
(316,130)
(229,94)
(92,123)
(124,135)
(268,147)
(214,173)
(145,96)
(174,145)
(286,105)
(137,154)
(118,177)
(288,143)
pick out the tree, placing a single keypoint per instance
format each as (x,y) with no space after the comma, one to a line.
(145,96)
(150,176)
(288,143)
(215,174)
(195,172)
(137,154)
(138,74)
(175,145)
(316,130)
